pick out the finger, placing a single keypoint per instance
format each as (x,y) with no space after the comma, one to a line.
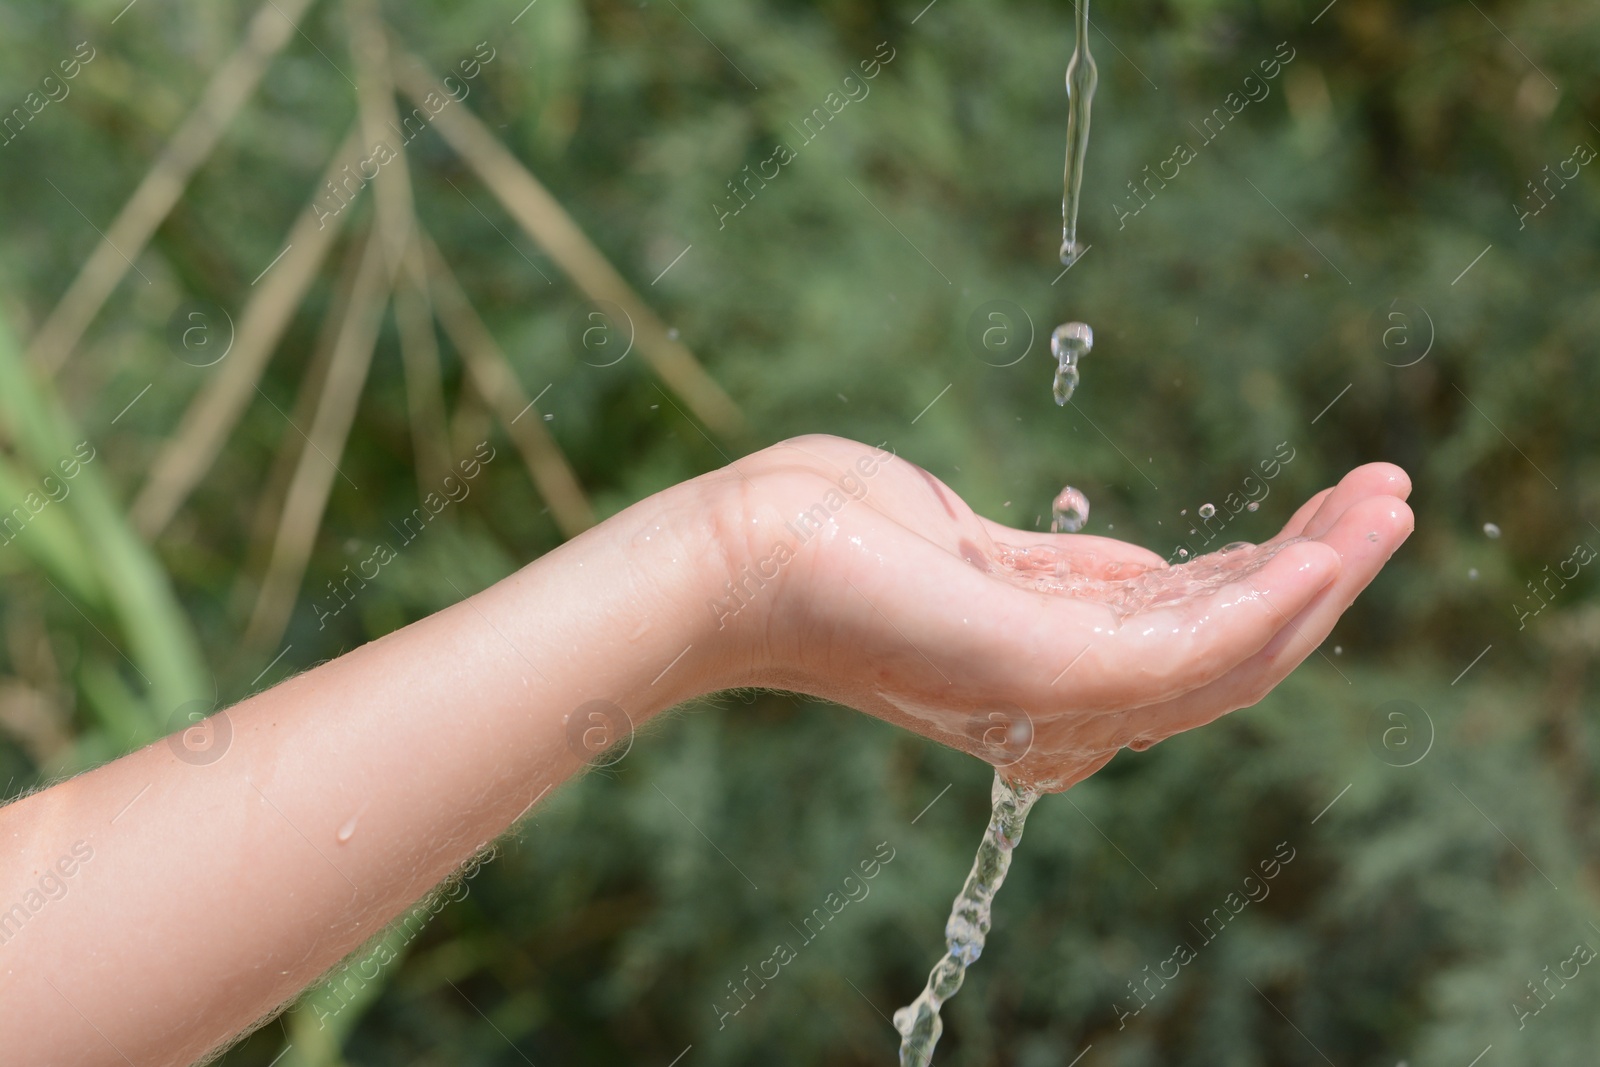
(1365,537)
(1297,522)
(1160,654)
(1248,683)
(1372,479)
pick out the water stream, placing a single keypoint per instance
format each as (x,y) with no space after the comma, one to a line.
(1081,78)
(1074,339)
(964,934)
(1125,588)
(919,1023)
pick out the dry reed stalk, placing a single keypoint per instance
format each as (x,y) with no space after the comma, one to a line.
(274,487)
(544,219)
(307,499)
(156,195)
(215,410)
(396,210)
(497,383)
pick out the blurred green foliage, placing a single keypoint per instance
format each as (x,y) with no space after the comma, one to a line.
(1247,304)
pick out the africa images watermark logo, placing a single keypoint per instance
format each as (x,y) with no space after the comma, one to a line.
(1399,733)
(600,733)
(196,736)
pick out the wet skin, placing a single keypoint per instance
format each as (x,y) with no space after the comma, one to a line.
(904,609)
(349,790)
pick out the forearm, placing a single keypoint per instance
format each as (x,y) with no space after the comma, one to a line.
(344,795)
(215,892)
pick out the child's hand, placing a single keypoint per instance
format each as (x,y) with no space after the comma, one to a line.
(831,569)
(861,578)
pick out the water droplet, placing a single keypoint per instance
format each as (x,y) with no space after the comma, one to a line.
(348,830)
(1183,553)
(1069,512)
(672,334)
(1254,505)
(549,418)
(1472,575)
(1372,536)
(1490,530)
(1207,510)
(1068,343)
(1065,384)
(1338,650)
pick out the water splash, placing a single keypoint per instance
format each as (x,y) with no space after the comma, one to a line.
(1069,342)
(1081,79)
(968,927)
(1070,511)
(1129,588)
(1124,587)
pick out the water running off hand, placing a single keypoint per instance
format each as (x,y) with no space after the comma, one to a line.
(1127,589)
(918,1022)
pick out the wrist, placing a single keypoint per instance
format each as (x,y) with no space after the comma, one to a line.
(643,582)
(761,527)
(705,521)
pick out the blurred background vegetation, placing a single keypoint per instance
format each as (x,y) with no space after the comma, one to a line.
(1251,302)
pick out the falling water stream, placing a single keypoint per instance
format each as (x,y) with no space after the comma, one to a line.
(919,1023)
(1126,589)
(1081,78)
(1074,339)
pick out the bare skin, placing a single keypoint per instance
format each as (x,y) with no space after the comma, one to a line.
(222,889)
